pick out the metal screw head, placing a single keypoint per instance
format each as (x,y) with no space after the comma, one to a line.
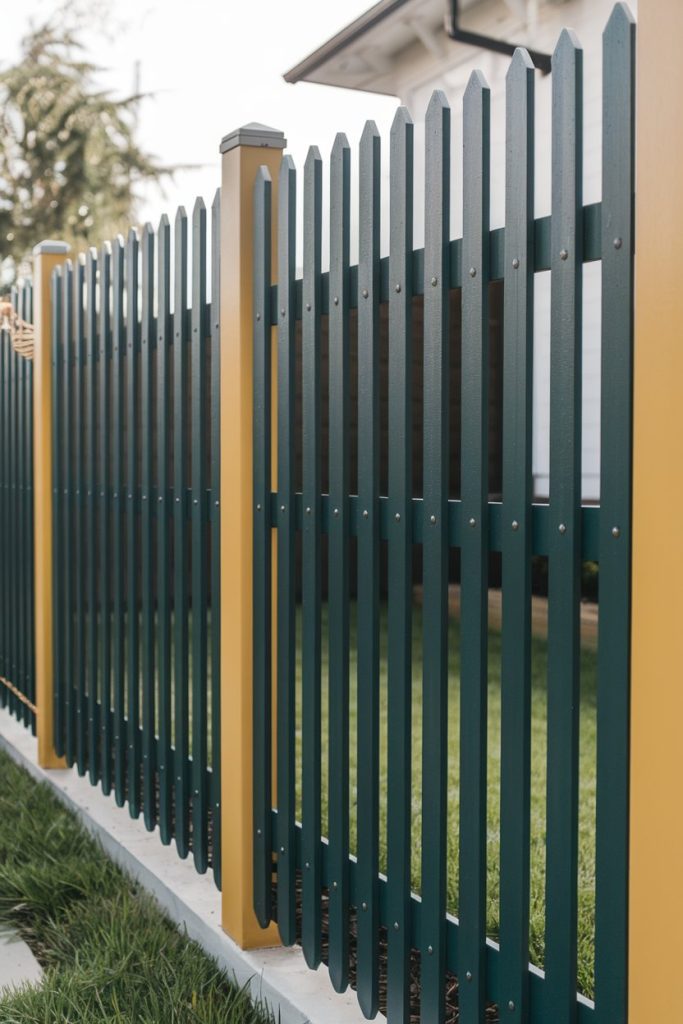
(258,507)
(562,528)
(397,517)
(435,281)
(335,512)
(515,524)
(365,513)
(282,312)
(432,520)
(363,906)
(308,307)
(616,532)
(563,254)
(336,300)
(307,865)
(160,498)
(258,317)
(618,243)
(472,521)
(308,510)
(515,264)
(511,1005)
(430,950)
(258,830)
(473,271)
(365,293)
(468,975)
(282,849)
(282,508)
(334,885)
(398,287)
(395,926)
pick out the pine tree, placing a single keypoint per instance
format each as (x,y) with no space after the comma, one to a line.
(70,164)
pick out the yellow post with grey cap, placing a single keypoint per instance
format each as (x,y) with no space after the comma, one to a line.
(243,152)
(46,256)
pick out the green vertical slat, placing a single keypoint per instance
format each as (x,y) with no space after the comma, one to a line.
(104,505)
(180,538)
(611,908)
(286,861)
(118,520)
(262,629)
(311,916)
(132,422)
(199,541)
(20,539)
(338,575)
(474,552)
(31,528)
(367,901)
(163,549)
(69,510)
(399,664)
(3,520)
(90,483)
(58,481)
(518,326)
(435,558)
(564,564)
(14,559)
(146,536)
(22,545)
(215,568)
(79,518)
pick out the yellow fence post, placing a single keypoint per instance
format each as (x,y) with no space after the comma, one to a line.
(656,864)
(243,152)
(46,256)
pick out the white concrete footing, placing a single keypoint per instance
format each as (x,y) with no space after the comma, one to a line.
(279,977)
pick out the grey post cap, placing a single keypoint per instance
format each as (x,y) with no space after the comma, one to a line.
(56,248)
(254,134)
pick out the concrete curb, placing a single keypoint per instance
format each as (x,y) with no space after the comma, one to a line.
(278,977)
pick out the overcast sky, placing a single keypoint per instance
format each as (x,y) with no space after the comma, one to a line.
(213,67)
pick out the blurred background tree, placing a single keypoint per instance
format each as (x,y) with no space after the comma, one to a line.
(70,163)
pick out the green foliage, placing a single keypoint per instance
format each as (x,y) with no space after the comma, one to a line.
(70,164)
(110,956)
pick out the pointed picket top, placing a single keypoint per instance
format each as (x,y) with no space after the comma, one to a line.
(568,46)
(437,104)
(520,65)
(476,85)
(164,223)
(107,248)
(402,120)
(262,177)
(180,217)
(340,144)
(199,207)
(312,157)
(619,20)
(216,201)
(287,168)
(370,131)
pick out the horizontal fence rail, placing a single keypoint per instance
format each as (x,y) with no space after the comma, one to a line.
(334,861)
(136,525)
(17,636)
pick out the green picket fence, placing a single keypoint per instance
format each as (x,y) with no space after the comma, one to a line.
(17,646)
(373,929)
(136,526)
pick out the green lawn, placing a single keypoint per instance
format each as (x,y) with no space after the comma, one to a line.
(110,955)
(586,880)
